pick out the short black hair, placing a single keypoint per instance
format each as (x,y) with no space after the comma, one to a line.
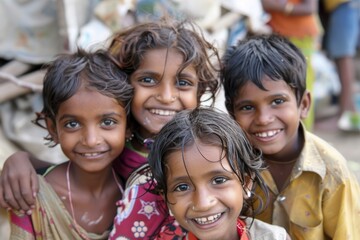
(258,56)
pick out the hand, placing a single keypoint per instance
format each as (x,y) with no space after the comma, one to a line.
(18,183)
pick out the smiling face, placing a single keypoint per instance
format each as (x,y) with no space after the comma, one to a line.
(271,118)
(204,194)
(159,91)
(90,128)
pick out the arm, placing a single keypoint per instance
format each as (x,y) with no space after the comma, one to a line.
(18,181)
(305,7)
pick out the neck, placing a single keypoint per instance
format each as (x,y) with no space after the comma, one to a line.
(140,143)
(90,182)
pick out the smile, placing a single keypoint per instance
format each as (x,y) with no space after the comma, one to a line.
(94,154)
(267,134)
(163,112)
(207,220)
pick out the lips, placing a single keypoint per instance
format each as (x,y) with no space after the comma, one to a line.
(163,112)
(94,154)
(208,219)
(267,134)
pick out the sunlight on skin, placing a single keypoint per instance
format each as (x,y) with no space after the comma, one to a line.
(85,218)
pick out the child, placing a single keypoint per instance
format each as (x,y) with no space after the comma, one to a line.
(313,195)
(170,67)
(86,100)
(205,169)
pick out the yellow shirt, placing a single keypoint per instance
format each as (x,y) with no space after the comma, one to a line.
(322,198)
(332,4)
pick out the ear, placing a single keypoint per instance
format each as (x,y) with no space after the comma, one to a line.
(305,104)
(51,127)
(248,184)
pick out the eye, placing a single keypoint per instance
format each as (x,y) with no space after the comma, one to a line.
(219,180)
(278,101)
(147,80)
(108,122)
(181,188)
(183,83)
(72,124)
(246,108)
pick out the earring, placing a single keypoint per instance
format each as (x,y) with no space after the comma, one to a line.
(248,193)
(170,212)
(129,138)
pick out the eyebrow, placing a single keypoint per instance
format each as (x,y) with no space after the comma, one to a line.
(110,114)
(222,172)
(185,74)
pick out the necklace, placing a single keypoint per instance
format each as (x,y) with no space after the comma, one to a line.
(146,142)
(77,227)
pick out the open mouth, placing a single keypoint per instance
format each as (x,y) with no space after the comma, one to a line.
(94,154)
(207,220)
(163,112)
(267,134)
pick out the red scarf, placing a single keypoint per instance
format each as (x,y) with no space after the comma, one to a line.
(241,229)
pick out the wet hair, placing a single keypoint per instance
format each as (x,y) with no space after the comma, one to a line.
(214,128)
(258,56)
(68,72)
(130,46)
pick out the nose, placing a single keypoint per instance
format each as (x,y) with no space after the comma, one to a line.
(203,200)
(264,116)
(90,137)
(167,92)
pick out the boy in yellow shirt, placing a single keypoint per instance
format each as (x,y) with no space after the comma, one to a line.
(313,195)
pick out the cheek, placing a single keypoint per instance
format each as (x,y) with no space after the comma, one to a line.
(189,100)
(241,120)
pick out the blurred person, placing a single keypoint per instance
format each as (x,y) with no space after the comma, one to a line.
(340,19)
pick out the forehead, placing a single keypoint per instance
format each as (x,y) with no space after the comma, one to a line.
(197,160)
(272,87)
(161,59)
(89,101)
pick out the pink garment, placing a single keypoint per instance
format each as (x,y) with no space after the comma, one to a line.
(140,213)
(127,162)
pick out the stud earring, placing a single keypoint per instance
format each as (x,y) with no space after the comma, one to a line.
(129,138)
(248,193)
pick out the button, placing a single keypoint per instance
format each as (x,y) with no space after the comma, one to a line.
(281,198)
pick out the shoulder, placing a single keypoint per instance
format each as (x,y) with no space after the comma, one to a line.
(318,148)
(260,230)
(322,151)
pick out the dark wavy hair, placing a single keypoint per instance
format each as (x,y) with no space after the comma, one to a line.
(215,128)
(254,57)
(130,45)
(95,70)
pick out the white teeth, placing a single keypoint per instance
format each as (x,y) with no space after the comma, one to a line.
(91,154)
(163,112)
(267,134)
(208,220)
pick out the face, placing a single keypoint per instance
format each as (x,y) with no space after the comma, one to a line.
(90,128)
(159,92)
(271,118)
(204,194)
